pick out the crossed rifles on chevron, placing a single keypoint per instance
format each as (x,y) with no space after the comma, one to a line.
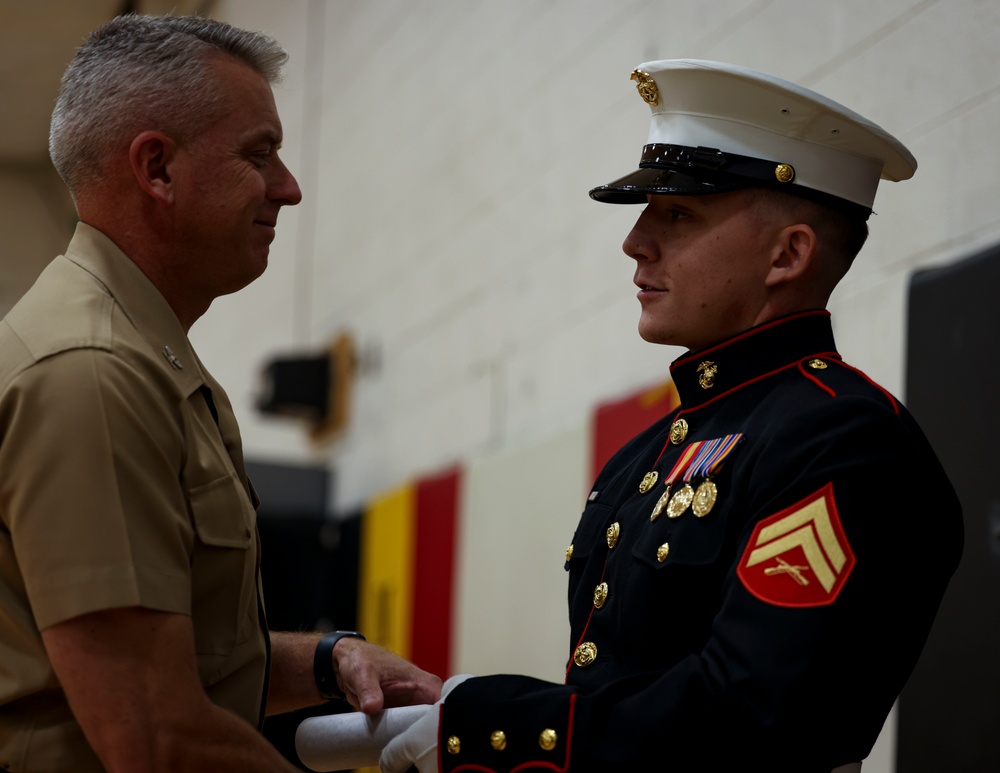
(784,567)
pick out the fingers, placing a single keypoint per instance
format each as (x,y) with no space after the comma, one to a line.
(415,746)
(394,758)
(370,697)
(374,678)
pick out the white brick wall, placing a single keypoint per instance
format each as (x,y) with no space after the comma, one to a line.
(446,148)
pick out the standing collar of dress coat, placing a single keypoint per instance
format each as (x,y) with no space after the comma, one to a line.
(704,376)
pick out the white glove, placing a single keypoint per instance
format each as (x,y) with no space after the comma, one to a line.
(351,740)
(417,745)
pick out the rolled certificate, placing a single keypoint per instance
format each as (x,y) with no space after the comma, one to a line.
(354,740)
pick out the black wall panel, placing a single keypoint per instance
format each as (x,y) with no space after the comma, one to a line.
(950,710)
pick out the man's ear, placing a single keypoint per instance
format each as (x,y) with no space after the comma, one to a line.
(150,157)
(793,255)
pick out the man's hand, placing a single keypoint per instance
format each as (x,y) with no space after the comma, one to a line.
(417,746)
(374,678)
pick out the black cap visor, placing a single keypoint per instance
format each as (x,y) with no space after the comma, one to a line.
(687,171)
(634,188)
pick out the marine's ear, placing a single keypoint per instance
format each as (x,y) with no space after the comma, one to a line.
(150,156)
(793,254)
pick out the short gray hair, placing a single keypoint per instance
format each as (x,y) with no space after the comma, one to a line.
(135,73)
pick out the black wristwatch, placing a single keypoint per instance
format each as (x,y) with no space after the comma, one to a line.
(326,680)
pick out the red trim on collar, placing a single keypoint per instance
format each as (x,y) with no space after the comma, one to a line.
(761,377)
(752,331)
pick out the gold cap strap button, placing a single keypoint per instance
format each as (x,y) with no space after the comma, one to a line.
(498,740)
(784,173)
(548,739)
(454,745)
(585,654)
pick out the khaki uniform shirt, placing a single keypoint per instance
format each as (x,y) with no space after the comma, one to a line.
(118,488)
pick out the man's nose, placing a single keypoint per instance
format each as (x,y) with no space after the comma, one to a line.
(636,244)
(286,187)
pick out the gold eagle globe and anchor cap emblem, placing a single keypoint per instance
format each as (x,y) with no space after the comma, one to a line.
(646,87)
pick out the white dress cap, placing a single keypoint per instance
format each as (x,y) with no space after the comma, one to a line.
(718,127)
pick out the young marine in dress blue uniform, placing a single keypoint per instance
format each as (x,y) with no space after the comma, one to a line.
(753,578)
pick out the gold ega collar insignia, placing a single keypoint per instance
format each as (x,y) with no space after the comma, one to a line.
(646,87)
(706,374)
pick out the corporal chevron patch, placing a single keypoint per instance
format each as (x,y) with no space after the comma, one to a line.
(799,557)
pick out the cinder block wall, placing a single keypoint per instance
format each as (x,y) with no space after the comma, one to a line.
(445,148)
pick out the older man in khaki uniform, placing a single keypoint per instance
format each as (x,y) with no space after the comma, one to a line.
(132,633)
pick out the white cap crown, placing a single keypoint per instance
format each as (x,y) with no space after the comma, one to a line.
(717,127)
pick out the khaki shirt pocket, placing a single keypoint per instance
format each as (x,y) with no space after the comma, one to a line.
(223,565)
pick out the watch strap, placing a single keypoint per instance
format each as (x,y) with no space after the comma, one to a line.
(326,679)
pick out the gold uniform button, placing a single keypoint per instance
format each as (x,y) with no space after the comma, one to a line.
(784,173)
(662,552)
(678,431)
(614,532)
(569,553)
(585,654)
(817,365)
(548,739)
(454,745)
(498,740)
(600,595)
